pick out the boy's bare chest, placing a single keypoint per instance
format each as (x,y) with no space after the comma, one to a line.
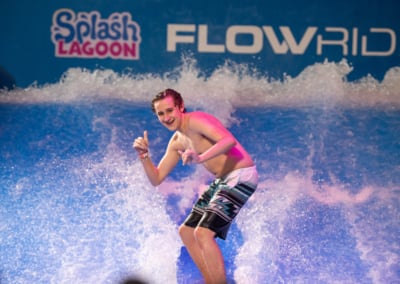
(195,141)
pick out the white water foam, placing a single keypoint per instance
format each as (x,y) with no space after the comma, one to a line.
(229,87)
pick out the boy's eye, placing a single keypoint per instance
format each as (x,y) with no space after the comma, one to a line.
(169,110)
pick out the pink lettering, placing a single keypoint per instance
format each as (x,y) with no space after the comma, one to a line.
(130,51)
(60,48)
(99,49)
(115,49)
(87,48)
(75,48)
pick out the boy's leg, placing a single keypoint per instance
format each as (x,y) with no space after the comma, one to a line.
(188,238)
(212,256)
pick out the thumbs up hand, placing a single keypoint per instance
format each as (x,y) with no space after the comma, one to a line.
(141,145)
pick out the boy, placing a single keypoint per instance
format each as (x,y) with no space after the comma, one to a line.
(200,138)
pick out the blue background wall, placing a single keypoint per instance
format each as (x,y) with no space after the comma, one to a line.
(27,52)
(74,199)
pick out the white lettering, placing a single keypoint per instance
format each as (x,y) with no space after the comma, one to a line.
(254,31)
(289,42)
(277,47)
(341,42)
(347,40)
(173,38)
(355,42)
(203,45)
(390,51)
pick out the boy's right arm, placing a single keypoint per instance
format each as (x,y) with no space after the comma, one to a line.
(156,175)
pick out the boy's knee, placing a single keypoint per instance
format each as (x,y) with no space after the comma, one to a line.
(185,232)
(203,235)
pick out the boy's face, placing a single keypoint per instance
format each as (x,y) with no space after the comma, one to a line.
(169,114)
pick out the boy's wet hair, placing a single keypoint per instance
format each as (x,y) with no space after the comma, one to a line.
(168,93)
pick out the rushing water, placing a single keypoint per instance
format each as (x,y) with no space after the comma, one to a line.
(76,206)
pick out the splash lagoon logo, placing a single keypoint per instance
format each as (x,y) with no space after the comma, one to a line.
(87,35)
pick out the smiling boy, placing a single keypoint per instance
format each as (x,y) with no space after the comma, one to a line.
(200,138)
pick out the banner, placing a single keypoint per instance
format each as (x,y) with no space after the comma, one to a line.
(39,42)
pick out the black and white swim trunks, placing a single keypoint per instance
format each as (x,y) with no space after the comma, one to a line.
(220,203)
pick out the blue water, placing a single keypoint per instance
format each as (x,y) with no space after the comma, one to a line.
(76,206)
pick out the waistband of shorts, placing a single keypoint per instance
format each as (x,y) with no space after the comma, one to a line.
(247,175)
(252,168)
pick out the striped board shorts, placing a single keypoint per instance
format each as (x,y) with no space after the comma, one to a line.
(221,202)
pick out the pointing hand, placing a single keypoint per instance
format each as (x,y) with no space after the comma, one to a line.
(189,157)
